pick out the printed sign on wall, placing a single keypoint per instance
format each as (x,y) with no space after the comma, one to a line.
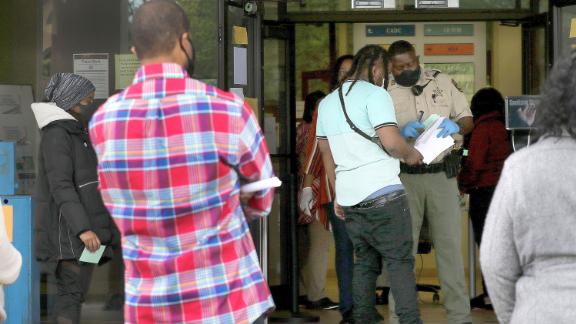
(373,4)
(431,4)
(521,111)
(448,30)
(390,30)
(448,49)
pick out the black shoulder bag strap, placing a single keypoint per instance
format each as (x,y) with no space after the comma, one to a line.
(357,130)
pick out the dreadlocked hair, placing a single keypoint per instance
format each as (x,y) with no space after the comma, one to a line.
(364,60)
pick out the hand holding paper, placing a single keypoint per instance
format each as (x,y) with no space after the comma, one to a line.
(430,144)
(448,128)
(410,130)
(92,257)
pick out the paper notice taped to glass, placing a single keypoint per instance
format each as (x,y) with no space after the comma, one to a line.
(430,145)
(94,67)
(240,66)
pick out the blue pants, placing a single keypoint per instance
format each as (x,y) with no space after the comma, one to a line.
(344,259)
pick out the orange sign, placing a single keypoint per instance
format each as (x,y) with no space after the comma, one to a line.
(448,49)
(8,212)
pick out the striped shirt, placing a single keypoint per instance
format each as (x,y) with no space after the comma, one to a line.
(172,152)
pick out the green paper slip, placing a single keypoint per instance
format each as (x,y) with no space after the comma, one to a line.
(92,257)
(431,120)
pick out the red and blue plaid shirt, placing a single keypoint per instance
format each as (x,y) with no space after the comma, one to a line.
(172,151)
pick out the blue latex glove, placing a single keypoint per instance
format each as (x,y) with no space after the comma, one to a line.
(448,128)
(410,130)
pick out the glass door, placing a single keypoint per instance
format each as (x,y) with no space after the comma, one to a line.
(564,22)
(279,127)
(535,54)
(239,40)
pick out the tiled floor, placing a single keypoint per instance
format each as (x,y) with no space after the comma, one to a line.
(431,313)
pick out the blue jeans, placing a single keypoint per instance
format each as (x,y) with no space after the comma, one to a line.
(344,259)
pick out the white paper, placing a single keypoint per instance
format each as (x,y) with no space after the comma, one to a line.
(430,120)
(238,91)
(261,185)
(429,145)
(240,66)
(94,67)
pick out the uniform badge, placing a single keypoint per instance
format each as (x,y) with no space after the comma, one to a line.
(438,92)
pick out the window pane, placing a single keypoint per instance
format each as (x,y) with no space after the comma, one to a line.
(566,42)
(312,54)
(68,29)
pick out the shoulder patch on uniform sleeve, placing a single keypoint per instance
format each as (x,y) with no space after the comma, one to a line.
(456,85)
(432,73)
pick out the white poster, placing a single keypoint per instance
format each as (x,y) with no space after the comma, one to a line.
(95,68)
(240,66)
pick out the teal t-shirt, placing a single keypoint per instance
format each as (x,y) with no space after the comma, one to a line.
(362,167)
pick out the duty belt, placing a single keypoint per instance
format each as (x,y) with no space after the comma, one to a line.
(450,165)
(423,168)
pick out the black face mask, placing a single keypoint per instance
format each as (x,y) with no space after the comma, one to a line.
(86,112)
(408,78)
(190,67)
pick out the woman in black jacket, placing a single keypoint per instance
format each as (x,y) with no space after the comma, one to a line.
(70,215)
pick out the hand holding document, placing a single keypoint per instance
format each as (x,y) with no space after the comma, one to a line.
(92,257)
(428,144)
(261,185)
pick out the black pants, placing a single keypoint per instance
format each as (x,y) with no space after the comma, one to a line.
(480,199)
(260,320)
(73,281)
(383,232)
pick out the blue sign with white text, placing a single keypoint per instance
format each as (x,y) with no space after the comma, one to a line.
(390,30)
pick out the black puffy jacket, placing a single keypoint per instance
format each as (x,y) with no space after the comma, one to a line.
(67,199)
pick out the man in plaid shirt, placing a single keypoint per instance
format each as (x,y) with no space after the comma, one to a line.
(172,151)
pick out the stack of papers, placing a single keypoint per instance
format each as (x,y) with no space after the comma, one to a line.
(430,145)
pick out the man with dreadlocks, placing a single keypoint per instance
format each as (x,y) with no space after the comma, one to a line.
(361,145)
(432,189)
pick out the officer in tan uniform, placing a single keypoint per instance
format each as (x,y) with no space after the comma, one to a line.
(432,189)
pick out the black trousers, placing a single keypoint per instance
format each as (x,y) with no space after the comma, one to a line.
(73,281)
(480,199)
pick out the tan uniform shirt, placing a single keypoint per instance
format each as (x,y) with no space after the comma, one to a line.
(440,97)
